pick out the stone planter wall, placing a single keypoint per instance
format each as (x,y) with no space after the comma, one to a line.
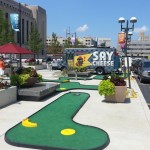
(8,96)
(37,67)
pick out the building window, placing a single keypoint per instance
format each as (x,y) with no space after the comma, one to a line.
(27,31)
(23,31)
(31,25)
(18,37)
(6,16)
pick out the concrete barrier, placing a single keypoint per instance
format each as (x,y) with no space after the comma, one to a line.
(8,96)
(38,67)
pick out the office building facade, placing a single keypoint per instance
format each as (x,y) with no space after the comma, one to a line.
(30,15)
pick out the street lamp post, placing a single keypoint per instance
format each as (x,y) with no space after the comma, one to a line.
(20,41)
(71,35)
(126,30)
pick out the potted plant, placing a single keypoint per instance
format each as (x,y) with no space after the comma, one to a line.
(106,88)
(80,68)
(25,77)
(113,87)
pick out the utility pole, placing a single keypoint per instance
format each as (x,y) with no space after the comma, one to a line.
(20,42)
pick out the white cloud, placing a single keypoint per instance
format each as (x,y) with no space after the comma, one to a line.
(142,29)
(82,28)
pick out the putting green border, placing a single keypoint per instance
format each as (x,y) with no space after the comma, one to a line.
(52,148)
(74,86)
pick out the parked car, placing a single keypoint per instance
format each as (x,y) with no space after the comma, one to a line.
(7,60)
(47,59)
(15,60)
(57,65)
(135,65)
(144,70)
(30,60)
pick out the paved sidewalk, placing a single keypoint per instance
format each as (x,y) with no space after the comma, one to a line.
(128,124)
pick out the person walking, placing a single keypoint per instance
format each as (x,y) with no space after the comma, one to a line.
(2,66)
(50,65)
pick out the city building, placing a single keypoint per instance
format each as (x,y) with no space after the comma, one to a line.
(104,42)
(30,15)
(88,41)
(138,48)
(60,39)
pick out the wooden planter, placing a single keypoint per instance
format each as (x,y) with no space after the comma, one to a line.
(119,96)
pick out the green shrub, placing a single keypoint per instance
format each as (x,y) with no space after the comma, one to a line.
(106,88)
(80,69)
(22,75)
(17,80)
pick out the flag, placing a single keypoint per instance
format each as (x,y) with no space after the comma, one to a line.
(121,37)
(14,19)
(73,40)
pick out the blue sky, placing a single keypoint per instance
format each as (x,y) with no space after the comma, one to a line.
(94,18)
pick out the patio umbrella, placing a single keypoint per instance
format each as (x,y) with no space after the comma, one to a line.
(12,48)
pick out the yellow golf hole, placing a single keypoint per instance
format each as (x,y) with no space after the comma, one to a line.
(65,80)
(68,131)
(62,88)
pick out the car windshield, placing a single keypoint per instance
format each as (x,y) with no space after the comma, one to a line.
(146,64)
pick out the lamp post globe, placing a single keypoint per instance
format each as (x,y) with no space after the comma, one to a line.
(121,20)
(133,20)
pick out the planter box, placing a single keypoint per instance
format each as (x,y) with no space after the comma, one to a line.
(30,82)
(79,74)
(8,96)
(119,96)
(37,92)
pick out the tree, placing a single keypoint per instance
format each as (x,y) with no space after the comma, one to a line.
(54,46)
(35,42)
(6,32)
(68,43)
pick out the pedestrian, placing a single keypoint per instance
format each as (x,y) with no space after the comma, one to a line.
(2,66)
(50,65)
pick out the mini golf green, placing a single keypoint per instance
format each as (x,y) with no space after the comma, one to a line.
(56,130)
(60,80)
(75,85)
(65,79)
(99,77)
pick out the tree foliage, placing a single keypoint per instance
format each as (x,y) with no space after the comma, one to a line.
(35,42)
(77,44)
(6,32)
(54,46)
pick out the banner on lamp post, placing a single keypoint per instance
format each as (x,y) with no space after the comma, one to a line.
(73,40)
(123,47)
(14,19)
(121,37)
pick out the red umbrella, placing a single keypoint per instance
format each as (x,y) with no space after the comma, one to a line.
(11,48)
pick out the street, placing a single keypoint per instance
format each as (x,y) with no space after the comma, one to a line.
(145,89)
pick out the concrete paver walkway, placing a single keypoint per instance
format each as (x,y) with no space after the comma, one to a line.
(128,124)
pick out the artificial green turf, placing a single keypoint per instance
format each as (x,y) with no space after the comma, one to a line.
(51,120)
(60,80)
(99,77)
(63,79)
(76,85)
